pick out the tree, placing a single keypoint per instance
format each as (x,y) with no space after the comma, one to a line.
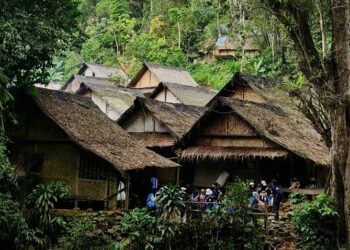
(175,15)
(31,33)
(327,104)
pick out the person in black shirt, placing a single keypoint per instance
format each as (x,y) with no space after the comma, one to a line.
(277,197)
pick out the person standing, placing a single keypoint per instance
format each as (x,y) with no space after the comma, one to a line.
(277,197)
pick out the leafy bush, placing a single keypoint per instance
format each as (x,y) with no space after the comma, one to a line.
(244,226)
(13,227)
(316,223)
(43,198)
(171,200)
(82,234)
(297,198)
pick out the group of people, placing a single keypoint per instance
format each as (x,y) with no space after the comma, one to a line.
(207,198)
(263,195)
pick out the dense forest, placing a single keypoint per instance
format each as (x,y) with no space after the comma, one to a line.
(180,33)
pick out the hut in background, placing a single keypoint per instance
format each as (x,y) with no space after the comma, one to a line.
(178,93)
(158,126)
(227,47)
(113,100)
(253,130)
(99,70)
(150,75)
(65,137)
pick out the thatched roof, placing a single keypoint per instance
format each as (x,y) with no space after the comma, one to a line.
(100,70)
(280,120)
(87,126)
(189,95)
(228,43)
(119,98)
(51,85)
(177,118)
(151,140)
(165,74)
(224,153)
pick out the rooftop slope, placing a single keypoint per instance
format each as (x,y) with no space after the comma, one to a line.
(189,95)
(86,125)
(177,118)
(104,71)
(166,74)
(280,120)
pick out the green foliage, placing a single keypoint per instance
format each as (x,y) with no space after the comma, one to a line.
(42,199)
(316,223)
(8,177)
(297,198)
(32,32)
(171,200)
(139,228)
(82,234)
(14,230)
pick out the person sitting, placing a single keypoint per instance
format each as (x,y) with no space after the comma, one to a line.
(294,184)
(194,196)
(202,195)
(210,199)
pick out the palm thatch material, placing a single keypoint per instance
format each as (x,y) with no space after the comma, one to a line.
(99,70)
(165,74)
(152,140)
(280,119)
(228,153)
(87,126)
(189,95)
(119,98)
(177,118)
(228,43)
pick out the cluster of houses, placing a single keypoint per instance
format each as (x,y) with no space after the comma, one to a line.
(107,141)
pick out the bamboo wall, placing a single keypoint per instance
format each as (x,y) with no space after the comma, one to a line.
(148,79)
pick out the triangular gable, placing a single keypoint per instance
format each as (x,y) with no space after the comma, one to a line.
(178,93)
(150,75)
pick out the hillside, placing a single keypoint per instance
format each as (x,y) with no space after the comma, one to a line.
(181,33)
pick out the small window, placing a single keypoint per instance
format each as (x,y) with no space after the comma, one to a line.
(92,167)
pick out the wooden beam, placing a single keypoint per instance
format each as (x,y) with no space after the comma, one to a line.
(127,192)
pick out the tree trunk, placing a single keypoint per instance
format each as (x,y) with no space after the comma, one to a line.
(323,28)
(179,35)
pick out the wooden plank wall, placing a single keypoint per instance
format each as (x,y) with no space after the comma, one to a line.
(229,130)
(246,93)
(143,122)
(148,79)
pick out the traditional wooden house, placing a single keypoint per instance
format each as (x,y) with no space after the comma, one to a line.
(178,93)
(253,130)
(65,137)
(99,70)
(227,47)
(158,126)
(113,100)
(151,75)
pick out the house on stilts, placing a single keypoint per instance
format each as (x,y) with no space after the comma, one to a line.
(65,137)
(254,130)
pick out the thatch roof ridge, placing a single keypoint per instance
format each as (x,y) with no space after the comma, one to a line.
(87,126)
(291,133)
(177,118)
(189,95)
(104,70)
(165,74)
